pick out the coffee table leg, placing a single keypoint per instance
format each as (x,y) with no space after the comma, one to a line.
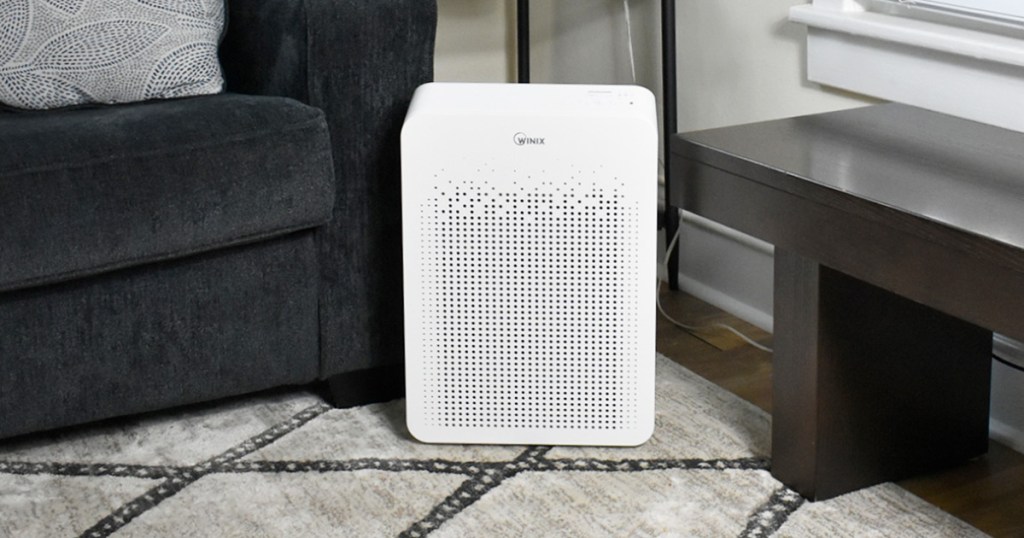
(869,386)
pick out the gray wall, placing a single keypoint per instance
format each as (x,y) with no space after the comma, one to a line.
(739,61)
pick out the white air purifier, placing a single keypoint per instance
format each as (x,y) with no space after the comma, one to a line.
(529,231)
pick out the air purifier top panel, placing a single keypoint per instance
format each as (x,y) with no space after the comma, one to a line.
(529,229)
(558,100)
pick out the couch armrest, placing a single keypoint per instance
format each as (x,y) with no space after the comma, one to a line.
(359,61)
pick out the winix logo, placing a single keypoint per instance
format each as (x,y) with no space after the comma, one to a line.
(522,140)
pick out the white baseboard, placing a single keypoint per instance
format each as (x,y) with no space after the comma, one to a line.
(727,269)
(732,305)
(1008,349)
(1006,422)
(1006,434)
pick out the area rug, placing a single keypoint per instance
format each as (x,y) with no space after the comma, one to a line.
(286,464)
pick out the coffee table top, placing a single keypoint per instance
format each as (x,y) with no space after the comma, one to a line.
(959,173)
(924,205)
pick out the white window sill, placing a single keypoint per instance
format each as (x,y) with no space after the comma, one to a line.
(958,71)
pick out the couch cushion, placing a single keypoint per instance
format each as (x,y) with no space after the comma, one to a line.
(90,190)
(55,54)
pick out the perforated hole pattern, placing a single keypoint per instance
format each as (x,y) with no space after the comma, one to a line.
(529,293)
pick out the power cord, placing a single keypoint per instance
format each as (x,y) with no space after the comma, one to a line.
(632,68)
(695,329)
(629,39)
(671,246)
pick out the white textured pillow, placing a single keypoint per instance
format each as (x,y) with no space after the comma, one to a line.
(56,53)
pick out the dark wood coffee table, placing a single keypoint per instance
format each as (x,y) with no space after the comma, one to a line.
(899,240)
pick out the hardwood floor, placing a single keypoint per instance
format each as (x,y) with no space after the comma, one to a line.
(987,493)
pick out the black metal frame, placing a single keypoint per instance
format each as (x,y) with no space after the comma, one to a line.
(523,40)
(670,118)
(669,110)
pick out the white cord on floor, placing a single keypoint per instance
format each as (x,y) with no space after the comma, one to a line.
(675,239)
(632,66)
(693,328)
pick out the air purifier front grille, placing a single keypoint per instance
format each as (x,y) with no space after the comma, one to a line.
(527,288)
(528,239)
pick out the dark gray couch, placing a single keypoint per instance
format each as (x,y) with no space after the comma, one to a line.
(165,253)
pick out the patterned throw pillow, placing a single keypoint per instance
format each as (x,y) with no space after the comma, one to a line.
(56,53)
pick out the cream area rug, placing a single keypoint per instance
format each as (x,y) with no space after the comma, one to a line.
(286,464)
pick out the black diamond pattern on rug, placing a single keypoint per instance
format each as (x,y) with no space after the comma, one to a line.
(289,465)
(482,476)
